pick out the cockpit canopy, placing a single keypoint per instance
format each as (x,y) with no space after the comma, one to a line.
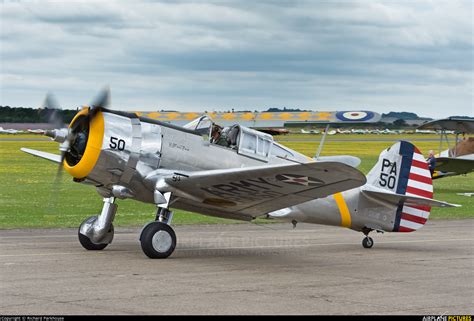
(202,125)
(254,144)
(246,141)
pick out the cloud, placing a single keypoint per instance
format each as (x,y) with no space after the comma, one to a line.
(219,54)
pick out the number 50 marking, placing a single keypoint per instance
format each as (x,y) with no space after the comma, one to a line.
(116,143)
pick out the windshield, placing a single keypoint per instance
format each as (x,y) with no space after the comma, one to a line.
(202,125)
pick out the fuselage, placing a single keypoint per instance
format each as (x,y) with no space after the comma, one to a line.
(131,152)
(233,172)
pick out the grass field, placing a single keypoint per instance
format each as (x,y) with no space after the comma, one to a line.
(29,199)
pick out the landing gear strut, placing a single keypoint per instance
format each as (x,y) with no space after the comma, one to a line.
(367,242)
(96,232)
(164,215)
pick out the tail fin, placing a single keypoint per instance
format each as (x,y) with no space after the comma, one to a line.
(402,171)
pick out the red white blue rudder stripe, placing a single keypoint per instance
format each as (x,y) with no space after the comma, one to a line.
(402,169)
(413,217)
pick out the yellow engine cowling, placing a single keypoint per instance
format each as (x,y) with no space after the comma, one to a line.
(93,147)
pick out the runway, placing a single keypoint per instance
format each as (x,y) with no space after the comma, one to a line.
(242,269)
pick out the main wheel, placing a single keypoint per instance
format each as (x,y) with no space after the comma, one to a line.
(158,240)
(86,242)
(367,242)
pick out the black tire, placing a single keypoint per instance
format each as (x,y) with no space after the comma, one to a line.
(87,243)
(367,242)
(158,240)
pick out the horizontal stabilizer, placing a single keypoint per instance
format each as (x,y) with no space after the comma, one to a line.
(51,157)
(395,199)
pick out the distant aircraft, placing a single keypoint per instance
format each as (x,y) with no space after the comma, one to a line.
(389,131)
(458,159)
(376,131)
(310,131)
(36,131)
(269,122)
(10,131)
(359,131)
(424,131)
(343,131)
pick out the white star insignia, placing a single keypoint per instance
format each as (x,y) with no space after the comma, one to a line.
(302,180)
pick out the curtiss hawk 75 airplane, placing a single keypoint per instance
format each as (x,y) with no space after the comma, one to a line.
(242,176)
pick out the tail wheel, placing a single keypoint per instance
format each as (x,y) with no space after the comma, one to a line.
(367,242)
(158,240)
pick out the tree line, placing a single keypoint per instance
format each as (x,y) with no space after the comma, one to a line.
(30,115)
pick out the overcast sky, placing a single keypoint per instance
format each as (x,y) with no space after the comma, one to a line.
(215,55)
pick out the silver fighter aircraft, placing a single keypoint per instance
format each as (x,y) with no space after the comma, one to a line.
(233,172)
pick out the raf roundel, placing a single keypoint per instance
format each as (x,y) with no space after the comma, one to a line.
(299,180)
(354,115)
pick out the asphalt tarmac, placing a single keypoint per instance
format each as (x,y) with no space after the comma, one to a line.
(242,269)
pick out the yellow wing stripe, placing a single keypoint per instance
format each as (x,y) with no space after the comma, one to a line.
(244,116)
(93,147)
(345,214)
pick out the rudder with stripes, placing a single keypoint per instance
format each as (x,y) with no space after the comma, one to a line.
(403,170)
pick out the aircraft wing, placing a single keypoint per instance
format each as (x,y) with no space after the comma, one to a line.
(455,165)
(51,157)
(459,125)
(268,119)
(255,191)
